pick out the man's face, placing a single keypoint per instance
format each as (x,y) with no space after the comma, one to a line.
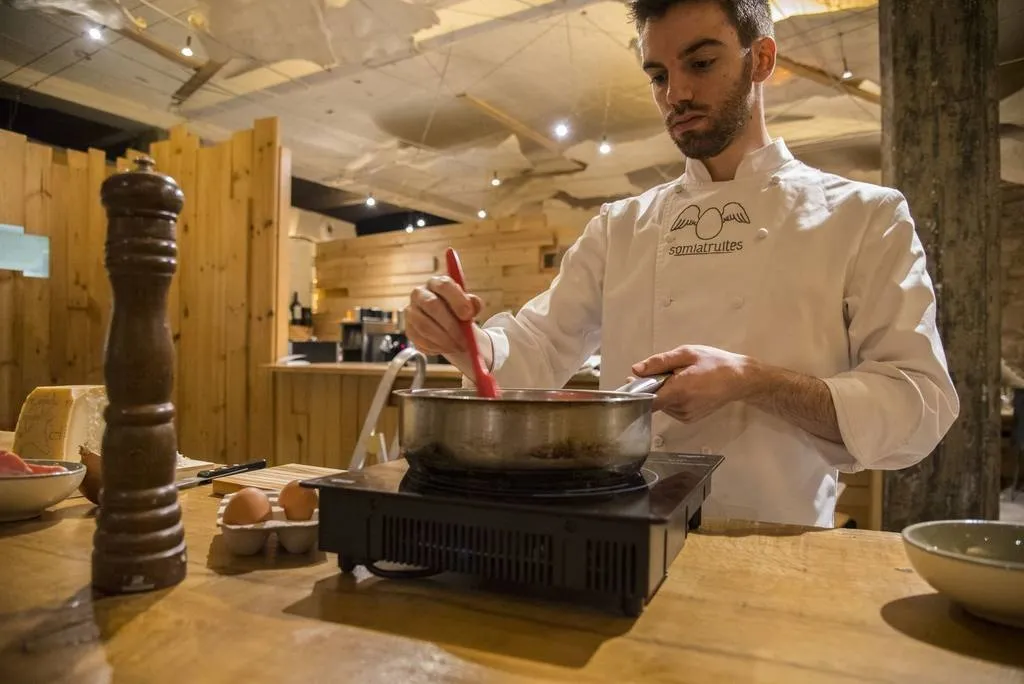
(700,75)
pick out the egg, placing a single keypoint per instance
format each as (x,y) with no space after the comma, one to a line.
(247,507)
(297,501)
(93,481)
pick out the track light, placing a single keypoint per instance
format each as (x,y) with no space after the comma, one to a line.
(495,181)
(187,50)
(95,33)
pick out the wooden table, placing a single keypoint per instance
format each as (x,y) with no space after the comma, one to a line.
(743,603)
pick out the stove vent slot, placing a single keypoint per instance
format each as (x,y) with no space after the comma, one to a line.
(505,555)
(611,566)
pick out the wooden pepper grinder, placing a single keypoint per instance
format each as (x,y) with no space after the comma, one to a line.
(139,544)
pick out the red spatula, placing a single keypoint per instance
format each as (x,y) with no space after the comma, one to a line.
(486,385)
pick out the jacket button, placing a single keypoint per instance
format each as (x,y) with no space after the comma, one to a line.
(659,441)
(762,233)
(737,303)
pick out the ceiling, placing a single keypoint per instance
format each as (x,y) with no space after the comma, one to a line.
(422,102)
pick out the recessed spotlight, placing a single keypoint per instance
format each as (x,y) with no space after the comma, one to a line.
(561,129)
(495,181)
(187,50)
(420,222)
(409,228)
(605,147)
(847,74)
(95,33)
(482,214)
(370,202)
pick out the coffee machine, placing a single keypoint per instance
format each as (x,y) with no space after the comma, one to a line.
(375,336)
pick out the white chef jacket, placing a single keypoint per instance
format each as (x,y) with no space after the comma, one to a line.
(797,268)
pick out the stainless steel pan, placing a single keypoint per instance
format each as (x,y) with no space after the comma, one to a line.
(528,430)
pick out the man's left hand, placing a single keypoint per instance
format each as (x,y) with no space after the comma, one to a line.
(705,379)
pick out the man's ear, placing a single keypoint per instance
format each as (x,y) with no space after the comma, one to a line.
(762,52)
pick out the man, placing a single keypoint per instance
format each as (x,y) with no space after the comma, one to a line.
(793,306)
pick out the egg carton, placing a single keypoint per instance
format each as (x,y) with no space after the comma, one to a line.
(296,536)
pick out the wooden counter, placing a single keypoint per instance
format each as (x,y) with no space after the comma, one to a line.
(743,604)
(319,409)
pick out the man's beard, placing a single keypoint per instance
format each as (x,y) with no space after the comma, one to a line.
(724,125)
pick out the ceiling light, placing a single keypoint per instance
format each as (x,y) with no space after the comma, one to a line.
(847,74)
(95,33)
(482,214)
(421,222)
(370,202)
(605,147)
(187,50)
(495,181)
(409,228)
(561,129)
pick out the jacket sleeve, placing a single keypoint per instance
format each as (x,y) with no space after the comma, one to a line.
(548,340)
(898,400)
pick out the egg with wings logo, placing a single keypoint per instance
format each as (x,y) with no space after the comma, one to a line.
(708,224)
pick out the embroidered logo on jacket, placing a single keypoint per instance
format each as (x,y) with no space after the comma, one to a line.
(707,225)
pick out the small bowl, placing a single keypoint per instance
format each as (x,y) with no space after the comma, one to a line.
(26,496)
(978,564)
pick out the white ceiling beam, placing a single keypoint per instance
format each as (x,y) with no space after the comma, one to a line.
(813,73)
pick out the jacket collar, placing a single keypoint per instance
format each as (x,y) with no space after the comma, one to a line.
(759,162)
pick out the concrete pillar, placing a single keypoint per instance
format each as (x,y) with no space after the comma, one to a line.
(940,147)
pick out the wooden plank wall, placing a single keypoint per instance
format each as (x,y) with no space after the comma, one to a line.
(503,261)
(223,321)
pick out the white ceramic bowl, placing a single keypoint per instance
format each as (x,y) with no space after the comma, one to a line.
(27,496)
(978,564)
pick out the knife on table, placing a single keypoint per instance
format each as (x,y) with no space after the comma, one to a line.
(207,476)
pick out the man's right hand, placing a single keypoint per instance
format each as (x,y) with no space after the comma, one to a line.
(433,315)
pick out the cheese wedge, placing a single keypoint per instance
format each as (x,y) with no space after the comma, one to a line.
(55,421)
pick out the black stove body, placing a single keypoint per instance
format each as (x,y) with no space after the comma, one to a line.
(607,546)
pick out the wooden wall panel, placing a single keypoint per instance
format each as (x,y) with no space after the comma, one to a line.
(503,261)
(226,291)
(263,288)
(35,292)
(160,152)
(12,212)
(77,342)
(184,162)
(97,284)
(59,213)
(235,244)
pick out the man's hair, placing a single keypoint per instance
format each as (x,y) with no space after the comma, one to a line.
(752,19)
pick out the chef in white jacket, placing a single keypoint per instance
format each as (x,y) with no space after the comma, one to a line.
(793,306)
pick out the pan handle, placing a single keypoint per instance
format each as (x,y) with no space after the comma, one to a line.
(380,400)
(649,384)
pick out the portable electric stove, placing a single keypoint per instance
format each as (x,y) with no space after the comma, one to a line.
(602,540)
